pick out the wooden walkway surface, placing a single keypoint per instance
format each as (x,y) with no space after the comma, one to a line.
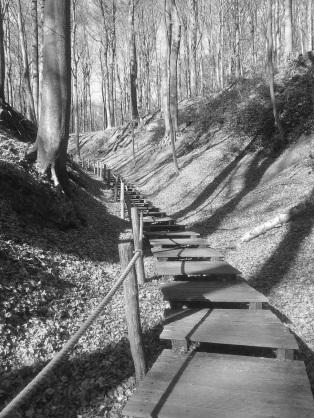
(220,329)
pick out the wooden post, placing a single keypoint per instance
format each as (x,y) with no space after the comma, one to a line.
(140,271)
(115,190)
(132,312)
(104,172)
(122,199)
(141,229)
(108,177)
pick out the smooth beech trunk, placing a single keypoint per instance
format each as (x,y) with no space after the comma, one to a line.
(172,29)
(288,29)
(310,7)
(26,75)
(53,132)
(35,57)
(193,44)
(2,55)
(270,66)
(132,64)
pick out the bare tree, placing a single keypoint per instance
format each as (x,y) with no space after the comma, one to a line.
(53,132)
(288,29)
(132,63)
(35,57)
(270,67)
(172,28)
(2,55)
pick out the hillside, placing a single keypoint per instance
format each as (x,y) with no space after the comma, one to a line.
(58,259)
(231,180)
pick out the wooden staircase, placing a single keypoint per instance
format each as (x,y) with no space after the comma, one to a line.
(219,328)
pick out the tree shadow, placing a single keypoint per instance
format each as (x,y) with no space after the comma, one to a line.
(43,218)
(279,263)
(83,382)
(253,175)
(210,188)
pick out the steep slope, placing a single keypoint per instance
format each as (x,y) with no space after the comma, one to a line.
(230,181)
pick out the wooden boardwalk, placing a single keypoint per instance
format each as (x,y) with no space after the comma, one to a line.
(220,329)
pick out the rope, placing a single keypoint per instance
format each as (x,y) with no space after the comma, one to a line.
(21,397)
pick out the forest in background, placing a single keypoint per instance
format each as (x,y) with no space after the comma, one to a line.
(114,41)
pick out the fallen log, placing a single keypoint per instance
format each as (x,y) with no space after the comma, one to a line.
(279,220)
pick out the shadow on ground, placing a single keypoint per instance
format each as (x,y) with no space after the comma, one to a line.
(89,380)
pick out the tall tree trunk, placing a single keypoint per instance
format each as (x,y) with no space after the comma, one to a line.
(173,70)
(288,29)
(27,81)
(132,64)
(2,55)
(173,31)
(310,7)
(270,66)
(41,46)
(35,74)
(53,132)
(193,44)
(237,39)
(221,43)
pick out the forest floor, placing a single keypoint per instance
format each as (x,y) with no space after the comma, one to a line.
(55,268)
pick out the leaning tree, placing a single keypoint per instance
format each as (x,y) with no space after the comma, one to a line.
(53,130)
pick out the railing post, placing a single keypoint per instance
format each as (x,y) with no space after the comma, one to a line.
(115,192)
(104,172)
(140,271)
(122,199)
(132,312)
(108,177)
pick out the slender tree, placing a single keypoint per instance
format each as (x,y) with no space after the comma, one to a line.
(310,7)
(2,55)
(193,44)
(35,57)
(270,67)
(132,63)
(288,29)
(53,132)
(26,75)
(172,29)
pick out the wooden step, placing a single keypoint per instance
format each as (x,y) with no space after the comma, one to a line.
(163,228)
(155,220)
(203,385)
(155,213)
(179,242)
(215,291)
(186,253)
(171,234)
(240,327)
(195,268)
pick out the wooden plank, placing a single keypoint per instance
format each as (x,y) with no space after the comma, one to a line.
(164,228)
(171,234)
(217,291)
(194,268)
(182,253)
(156,220)
(232,327)
(179,242)
(222,386)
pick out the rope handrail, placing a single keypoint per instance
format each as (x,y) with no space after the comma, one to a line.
(31,386)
